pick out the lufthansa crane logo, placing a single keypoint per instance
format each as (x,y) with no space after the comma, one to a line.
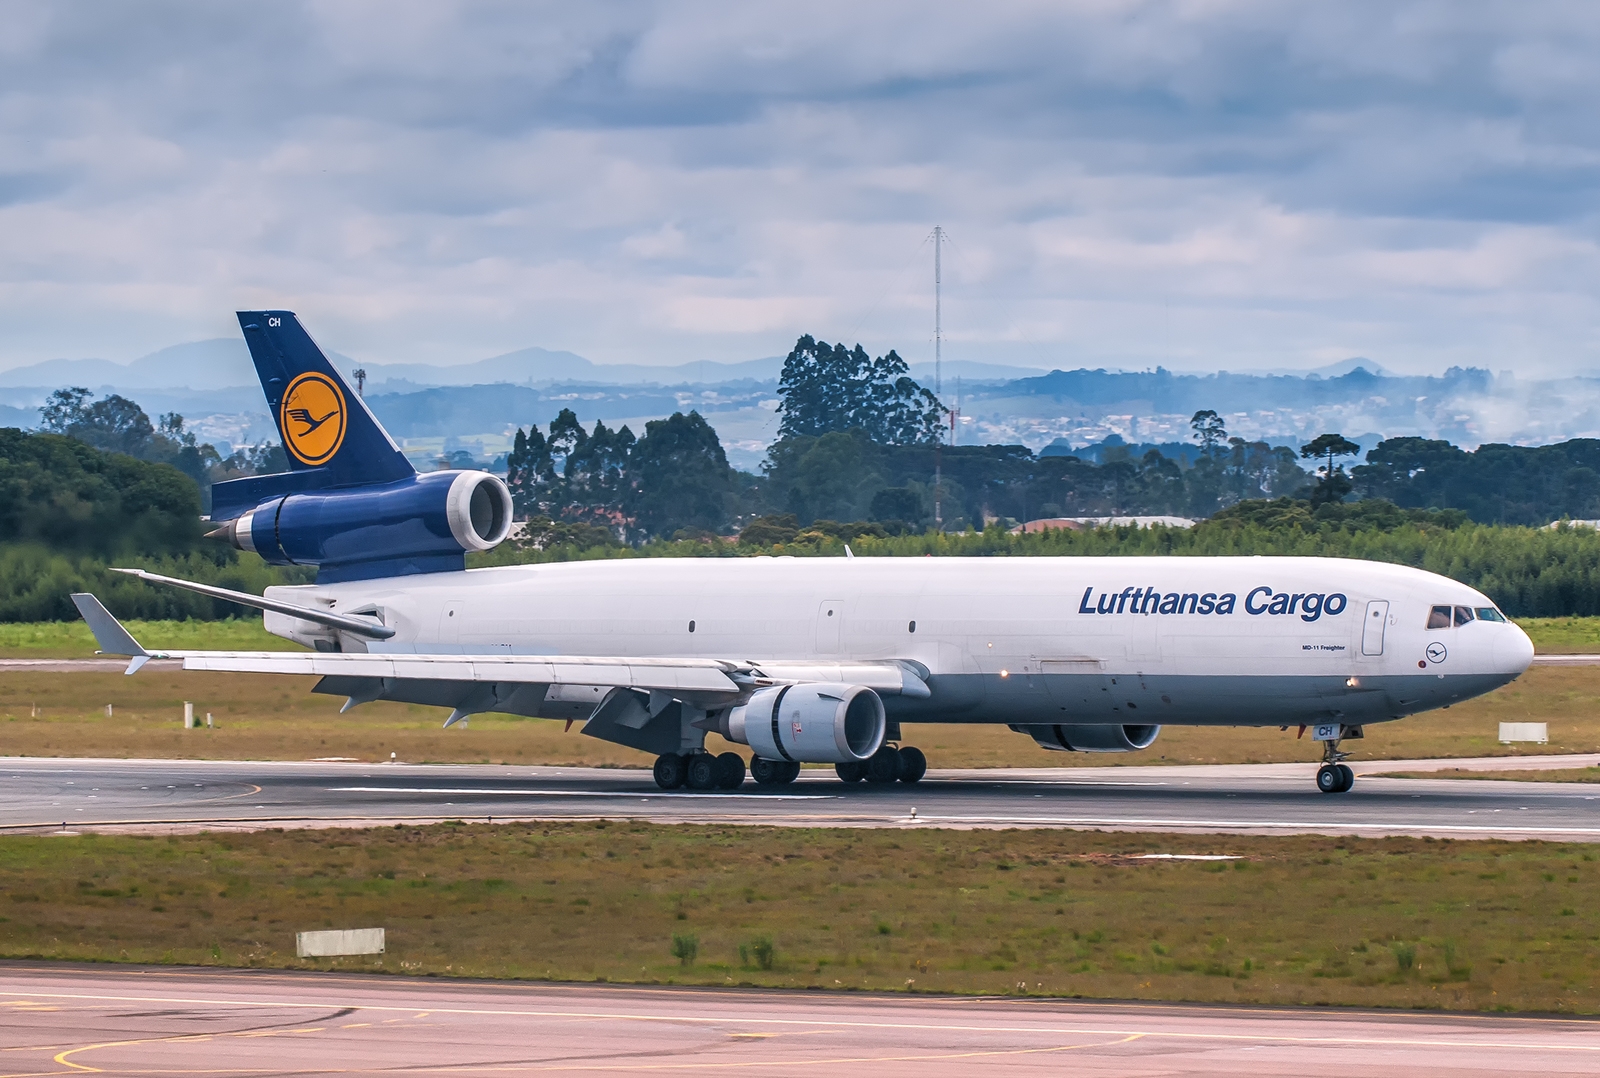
(312,418)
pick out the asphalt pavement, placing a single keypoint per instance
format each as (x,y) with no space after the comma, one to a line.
(48,795)
(64,1019)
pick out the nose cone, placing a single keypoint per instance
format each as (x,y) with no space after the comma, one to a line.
(1513,652)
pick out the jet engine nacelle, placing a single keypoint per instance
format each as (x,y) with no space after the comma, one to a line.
(424,523)
(1092,738)
(812,724)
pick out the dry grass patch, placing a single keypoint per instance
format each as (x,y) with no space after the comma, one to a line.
(267,717)
(1567,774)
(1391,922)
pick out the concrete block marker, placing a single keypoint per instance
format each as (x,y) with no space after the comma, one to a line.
(188,715)
(1524,731)
(338,941)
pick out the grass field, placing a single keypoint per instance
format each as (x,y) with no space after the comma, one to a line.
(72,639)
(1571,774)
(1393,922)
(265,717)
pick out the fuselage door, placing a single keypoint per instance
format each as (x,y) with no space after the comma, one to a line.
(1372,628)
(830,619)
(451,617)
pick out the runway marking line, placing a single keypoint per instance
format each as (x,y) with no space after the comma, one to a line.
(673,794)
(190,1038)
(943,1027)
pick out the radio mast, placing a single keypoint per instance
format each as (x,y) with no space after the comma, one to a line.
(938,374)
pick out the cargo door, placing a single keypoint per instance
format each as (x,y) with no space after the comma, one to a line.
(830,620)
(1372,627)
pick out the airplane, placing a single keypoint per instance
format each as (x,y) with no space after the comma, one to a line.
(801,660)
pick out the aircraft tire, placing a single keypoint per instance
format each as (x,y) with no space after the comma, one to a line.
(768,772)
(884,766)
(1348,776)
(670,771)
(853,771)
(702,771)
(730,771)
(912,764)
(1329,780)
(791,771)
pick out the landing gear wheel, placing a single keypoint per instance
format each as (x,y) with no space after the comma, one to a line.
(912,765)
(773,772)
(1329,779)
(671,770)
(1348,776)
(854,771)
(702,771)
(730,771)
(884,766)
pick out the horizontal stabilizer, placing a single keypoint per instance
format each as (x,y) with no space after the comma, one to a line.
(359,626)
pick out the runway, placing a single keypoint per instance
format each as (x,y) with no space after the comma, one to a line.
(62,1019)
(52,795)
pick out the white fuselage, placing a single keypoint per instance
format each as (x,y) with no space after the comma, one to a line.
(1247,641)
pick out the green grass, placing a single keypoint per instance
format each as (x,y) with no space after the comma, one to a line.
(72,639)
(1301,920)
(1563,636)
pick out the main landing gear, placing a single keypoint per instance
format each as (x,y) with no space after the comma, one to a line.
(699,771)
(887,765)
(1334,777)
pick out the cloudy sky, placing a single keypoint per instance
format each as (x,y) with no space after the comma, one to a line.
(1203,184)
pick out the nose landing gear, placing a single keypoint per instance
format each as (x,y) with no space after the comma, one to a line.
(1334,777)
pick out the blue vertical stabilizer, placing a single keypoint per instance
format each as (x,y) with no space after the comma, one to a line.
(324,426)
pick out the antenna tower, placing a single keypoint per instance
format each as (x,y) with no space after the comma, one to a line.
(938,373)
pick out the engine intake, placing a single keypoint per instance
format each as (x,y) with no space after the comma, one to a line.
(810,723)
(426,523)
(1092,738)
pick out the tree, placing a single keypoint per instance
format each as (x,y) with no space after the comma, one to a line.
(679,476)
(1209,431)
(115,425)
(1333,484)
(826,388)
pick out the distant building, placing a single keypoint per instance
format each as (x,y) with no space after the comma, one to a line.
(1079,523)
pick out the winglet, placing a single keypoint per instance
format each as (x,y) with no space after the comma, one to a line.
(108,631)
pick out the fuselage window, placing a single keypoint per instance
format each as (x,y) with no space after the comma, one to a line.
(1463,614)
(912,627)
(1439,617)
(1489,613)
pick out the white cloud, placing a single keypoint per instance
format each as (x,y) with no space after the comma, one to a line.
(1198,183)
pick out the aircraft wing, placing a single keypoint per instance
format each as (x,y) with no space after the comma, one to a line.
(668,675)
(485,681)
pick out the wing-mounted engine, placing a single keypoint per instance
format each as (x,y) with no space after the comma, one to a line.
(423,524)
(809,723)
(1092,738)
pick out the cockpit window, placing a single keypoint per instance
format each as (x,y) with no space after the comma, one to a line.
(1463,614)
(1489,613)
(1439,617)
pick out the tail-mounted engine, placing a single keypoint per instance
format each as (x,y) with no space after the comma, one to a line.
(1092,738)
(812,723)
(423,524)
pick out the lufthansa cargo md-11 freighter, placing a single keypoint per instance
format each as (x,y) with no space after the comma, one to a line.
(803,660)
